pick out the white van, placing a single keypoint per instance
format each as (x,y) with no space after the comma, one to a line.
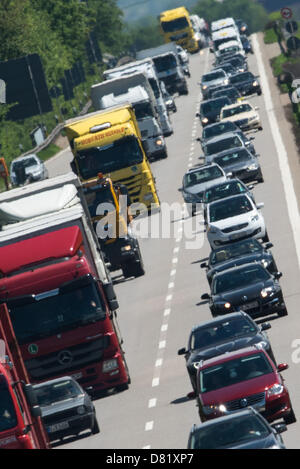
(225,35)
(222,24)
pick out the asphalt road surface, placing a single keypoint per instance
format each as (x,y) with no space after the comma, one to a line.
(157,311)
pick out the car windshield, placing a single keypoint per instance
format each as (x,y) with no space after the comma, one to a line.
(8,417)
(242,77)
(218,129)
(56,392)
(222,145)
(230,92)
(50,313)
(234,371)
(26,163)
(117,155)
(222,331)
(213,76)
(228,208)
(165,62)
(223,190)
(233,158)
(95,198)
(201,176)
(229,433)
(236,61)
(231,251)
(239,278)
(214,105)
(174,25)
(233,111)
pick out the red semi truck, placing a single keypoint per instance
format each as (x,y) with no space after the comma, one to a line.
(20,422)
(57,288)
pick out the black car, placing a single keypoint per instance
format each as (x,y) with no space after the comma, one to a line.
(227,67)
(250,288)
(243,27)
(231,92)
(238,61)
(229,140)
(66,408)
(210,110)
(247,46)
(245,429)
(246,83)
(239,253)
(224,334)
(241,163)
(219,128)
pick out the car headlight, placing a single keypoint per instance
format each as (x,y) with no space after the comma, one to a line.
(227,305)
(169,102)
(81,410)
(225,82)
(263,344)
(204,120)
(211,229)
(255,83)
(243,28)
(267,292)
(204,87)
(210,409)
(159,142)
(255,218)
(275,390)
(126,248)
(265,263)
(110,365)
(253,167)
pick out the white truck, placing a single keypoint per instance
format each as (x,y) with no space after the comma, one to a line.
(168,67)
(134,88)
(147,67)
(200,28)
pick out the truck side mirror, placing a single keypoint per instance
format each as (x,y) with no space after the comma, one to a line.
(74,167)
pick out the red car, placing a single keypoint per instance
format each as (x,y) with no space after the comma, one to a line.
(243,378)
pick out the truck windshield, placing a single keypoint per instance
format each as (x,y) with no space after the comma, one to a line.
(119,154)
(8,418)
(165,63)
(143,110)
(56,311)
(154,87)
(175,25)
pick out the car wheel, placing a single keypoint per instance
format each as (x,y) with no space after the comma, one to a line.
(259,93)
(283,312)
(95,428)
(266,238)
(260,178)
(291,418)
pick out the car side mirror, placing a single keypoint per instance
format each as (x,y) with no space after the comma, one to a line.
(203,265)
(199,139)
(282,367)
(265,326)
(269,245)
(197,114)
(250,187)
(181,351)
(279,427)
(205,296)
(180,189)
(260,205)
(256,108)
(278,275)
(229,175)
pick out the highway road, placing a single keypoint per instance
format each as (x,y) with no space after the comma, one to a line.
(157,311)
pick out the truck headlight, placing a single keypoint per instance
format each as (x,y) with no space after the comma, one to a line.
(266,292)
(110,365)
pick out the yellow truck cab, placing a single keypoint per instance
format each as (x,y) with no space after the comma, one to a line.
(109,142)
(177,27)
(107,209)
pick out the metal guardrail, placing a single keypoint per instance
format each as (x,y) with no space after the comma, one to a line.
(55,133)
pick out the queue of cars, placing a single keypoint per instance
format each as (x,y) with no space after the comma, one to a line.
(234,375)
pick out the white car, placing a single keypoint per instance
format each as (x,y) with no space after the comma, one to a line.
(27,168)
(234,218)
(243,114)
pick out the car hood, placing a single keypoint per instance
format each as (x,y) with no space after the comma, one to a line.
(240,390)
(205,185)
(211,114)
(224,347)
(240,116)
(239,165)
(244,83)
(244,294)
(61,406)
(219,81)
(232,221)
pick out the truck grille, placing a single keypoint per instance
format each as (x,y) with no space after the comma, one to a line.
(253,400)
(133,184)
(66,360)
(235,228)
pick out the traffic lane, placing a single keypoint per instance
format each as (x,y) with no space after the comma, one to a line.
(142,305)
(60,163)
(189,287)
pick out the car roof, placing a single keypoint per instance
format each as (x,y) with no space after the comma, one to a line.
(234,243)
(20,158)
(231,106)
(231,416)
(54,381)
(239,267)
(215,124)
(202,166)
(247,351)
(223,136)
(212,99)
(211,73)
(229,151)
(218,319)
(229,181)
(243,194)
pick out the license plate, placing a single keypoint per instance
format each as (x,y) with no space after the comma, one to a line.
(235,236)
(58,426)
(254,304)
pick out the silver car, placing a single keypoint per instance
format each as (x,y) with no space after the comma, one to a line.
(214,78)
(26,169)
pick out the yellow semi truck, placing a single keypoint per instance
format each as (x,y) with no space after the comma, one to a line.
(177,27)
(109,142)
